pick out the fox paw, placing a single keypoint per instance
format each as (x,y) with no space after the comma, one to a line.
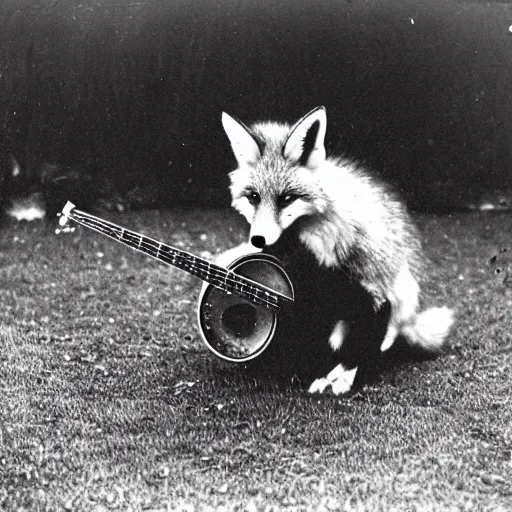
(340,380)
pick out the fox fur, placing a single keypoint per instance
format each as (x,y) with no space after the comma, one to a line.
(345,217)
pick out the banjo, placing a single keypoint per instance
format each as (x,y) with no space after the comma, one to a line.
(239,307)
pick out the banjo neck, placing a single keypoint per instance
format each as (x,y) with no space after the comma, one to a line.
(219,277)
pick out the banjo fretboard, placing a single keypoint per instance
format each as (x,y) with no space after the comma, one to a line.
(224,279)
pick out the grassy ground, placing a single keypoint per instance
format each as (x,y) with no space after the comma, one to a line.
(108,399)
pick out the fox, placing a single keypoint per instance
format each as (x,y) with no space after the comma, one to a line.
(344,219)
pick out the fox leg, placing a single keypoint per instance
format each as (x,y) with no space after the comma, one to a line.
(340,379)
(390,337)
(358,346)
(404,305)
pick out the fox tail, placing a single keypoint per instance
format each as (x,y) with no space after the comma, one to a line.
(429,330)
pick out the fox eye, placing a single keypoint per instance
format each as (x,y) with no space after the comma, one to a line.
(287,199)
(253,197)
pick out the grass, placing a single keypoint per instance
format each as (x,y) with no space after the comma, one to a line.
(108,400)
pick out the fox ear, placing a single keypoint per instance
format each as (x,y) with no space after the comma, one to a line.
(306,142)
(244,145)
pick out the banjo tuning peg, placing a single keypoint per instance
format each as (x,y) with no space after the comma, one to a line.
(64,227)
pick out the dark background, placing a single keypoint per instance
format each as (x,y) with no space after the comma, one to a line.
(123,98)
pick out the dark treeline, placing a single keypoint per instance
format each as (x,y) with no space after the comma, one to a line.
(127,96)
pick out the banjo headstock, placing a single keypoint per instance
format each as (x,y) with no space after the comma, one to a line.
(64,217)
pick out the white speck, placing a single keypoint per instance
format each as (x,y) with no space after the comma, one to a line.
(111,320)
(99,255)
(16,169)
(27,214)
(510,28)
(223,489)
(29,208)
(412,21)
(203,237)
(163,472)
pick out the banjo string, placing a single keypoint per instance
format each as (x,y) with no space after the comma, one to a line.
(218,276)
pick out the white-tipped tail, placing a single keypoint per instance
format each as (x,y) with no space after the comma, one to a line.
(430,329)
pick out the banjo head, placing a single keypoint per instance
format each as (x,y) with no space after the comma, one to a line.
(233,328)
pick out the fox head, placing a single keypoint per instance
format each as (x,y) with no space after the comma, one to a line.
(275,183)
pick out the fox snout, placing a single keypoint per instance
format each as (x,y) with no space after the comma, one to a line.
(258,241)
(264,230)
(262,238)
